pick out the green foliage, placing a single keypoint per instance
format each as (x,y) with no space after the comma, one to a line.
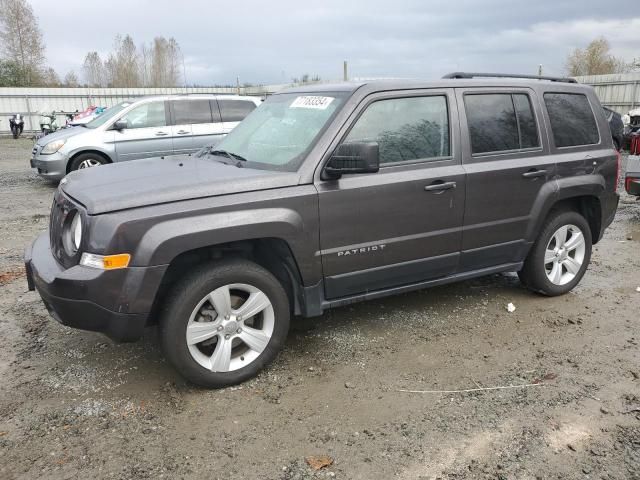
(11,74)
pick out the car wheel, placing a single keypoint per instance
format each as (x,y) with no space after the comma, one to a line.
(86,160)
(560,256)
(224,322)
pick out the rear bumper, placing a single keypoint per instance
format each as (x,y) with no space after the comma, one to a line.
(632,186)
(79,297)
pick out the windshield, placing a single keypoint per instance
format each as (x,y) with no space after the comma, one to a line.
(278,134)
(108,114)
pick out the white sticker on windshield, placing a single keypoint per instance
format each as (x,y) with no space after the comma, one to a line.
(319,103)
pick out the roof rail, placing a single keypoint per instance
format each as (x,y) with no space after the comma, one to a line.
(508,75)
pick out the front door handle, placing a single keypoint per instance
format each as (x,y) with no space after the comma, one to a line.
(534,173)
(161,134)
(440,186)
(182,132)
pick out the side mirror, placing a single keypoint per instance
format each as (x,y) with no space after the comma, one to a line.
(354,157)
(120,125)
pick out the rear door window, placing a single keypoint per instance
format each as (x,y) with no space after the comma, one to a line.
(405,128)
(235,110)
(500,122)
(571,118)
(186,112)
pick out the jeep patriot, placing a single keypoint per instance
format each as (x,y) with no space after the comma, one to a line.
(324,196)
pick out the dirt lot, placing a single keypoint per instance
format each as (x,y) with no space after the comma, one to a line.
(75,405)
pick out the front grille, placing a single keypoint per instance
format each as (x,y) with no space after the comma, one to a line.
(59,212)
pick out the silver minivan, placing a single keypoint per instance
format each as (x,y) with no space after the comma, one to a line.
(148,127)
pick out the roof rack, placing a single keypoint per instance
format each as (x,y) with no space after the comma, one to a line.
(508,75)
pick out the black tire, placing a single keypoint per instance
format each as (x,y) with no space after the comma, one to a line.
(83,157)
(16,132)
(533,275)
(190,290)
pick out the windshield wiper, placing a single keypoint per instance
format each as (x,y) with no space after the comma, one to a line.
(231,155)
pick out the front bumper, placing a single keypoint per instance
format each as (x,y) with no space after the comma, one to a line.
(53,166)
(117,303)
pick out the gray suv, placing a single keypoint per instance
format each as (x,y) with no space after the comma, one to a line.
(144,128)
(324,196)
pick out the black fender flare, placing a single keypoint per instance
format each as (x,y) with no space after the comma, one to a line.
(166,240)
(558,190)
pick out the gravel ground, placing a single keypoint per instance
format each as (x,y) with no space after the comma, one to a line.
(75,405)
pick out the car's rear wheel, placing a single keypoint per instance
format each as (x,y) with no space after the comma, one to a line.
(560,256)
(224,322)
(86,160)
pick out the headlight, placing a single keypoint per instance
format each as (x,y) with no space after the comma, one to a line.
(76,231)
(52,147)
(72,233)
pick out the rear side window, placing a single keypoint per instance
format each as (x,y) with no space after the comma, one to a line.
(500,122)
(187,112)
(571,118)
(235,110)
(405,128)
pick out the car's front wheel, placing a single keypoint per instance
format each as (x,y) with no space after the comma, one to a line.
(560,256)
(86,160)
(224,322)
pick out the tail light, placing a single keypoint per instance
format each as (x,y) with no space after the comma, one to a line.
(618,168)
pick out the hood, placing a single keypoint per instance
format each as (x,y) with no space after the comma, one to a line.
(61,134)
(139,183)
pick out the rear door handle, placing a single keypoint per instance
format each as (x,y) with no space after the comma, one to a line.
(440,186)
(534,174)
(161,134)
(182,132)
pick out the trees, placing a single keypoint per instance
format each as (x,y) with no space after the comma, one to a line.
(123,63)
(165,62)
(595,60)
(21,40)
(49,78)
(93,70)
(151,65)
(10,74)
(71,79)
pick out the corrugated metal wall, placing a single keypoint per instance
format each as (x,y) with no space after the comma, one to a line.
(620,92)
(30,102)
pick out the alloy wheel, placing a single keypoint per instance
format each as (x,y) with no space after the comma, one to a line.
(230,327)
(88,163)
(564,254)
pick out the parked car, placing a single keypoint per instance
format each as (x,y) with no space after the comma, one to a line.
(632,176)
(631,123)
(616,126)
(144,128)
(328,195)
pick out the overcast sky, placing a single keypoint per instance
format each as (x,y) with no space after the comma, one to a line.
(273,41)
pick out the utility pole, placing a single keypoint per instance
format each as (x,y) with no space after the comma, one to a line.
(345,71)
(238,84)
(540,70)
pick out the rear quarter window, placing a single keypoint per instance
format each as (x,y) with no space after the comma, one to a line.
(572,121)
